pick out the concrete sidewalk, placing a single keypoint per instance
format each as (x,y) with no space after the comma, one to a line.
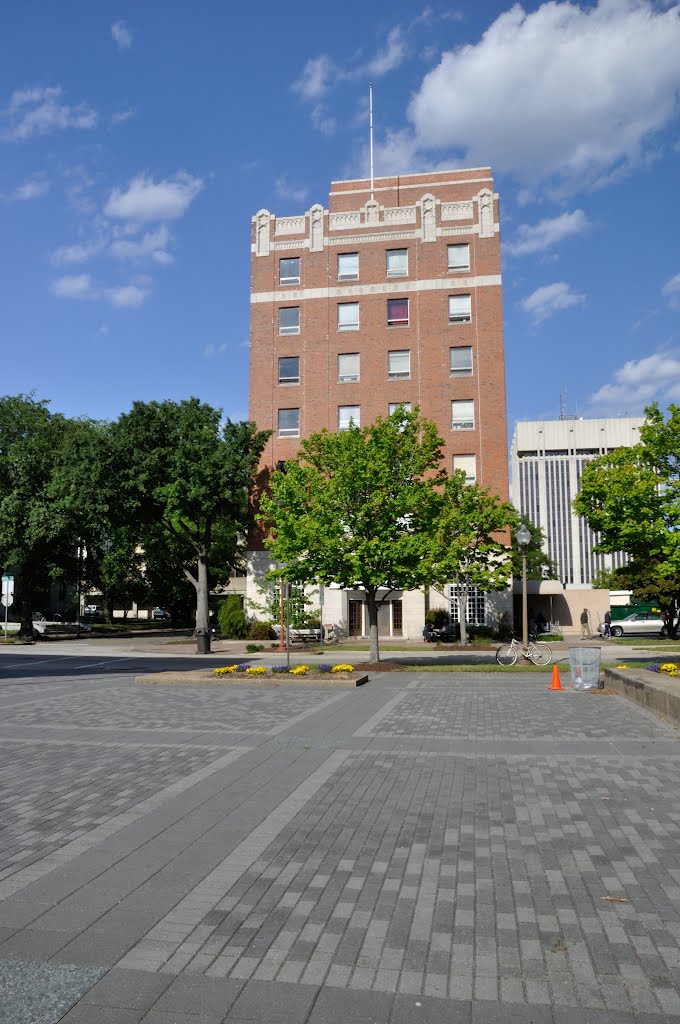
(434,848)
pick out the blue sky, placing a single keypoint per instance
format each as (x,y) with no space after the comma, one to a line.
(138,140)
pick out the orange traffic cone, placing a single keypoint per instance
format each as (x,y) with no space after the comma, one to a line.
(556,684)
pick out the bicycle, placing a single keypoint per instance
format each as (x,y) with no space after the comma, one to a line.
(537,652)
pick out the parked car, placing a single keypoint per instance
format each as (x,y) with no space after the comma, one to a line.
(640,623)
(160,613)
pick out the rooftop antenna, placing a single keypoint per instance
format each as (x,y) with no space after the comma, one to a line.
(564,415)
(370,128)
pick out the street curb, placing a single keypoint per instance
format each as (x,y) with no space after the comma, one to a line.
(653,691)
(203,678)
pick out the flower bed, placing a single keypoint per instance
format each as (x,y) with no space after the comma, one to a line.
(282,670)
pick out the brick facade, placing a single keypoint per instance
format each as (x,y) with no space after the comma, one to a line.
(423,214)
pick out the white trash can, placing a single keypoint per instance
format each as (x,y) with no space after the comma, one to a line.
(584,663)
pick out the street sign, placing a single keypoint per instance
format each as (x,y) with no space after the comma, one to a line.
(7,590)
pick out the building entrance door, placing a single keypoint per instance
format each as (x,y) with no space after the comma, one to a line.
(355,617)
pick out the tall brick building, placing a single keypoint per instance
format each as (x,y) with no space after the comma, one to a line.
(390,295)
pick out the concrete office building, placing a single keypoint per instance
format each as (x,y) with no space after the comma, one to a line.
(390,295)
(547,458)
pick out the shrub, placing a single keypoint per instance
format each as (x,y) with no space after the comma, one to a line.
(232,618)
(437,617)
(254,648)
(260,631)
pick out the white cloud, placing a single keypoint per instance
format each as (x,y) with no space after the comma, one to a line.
(322,74)
(33,188)
(145,199)
(387,59)
(637,383)
(671,290)
(152,245)
(121,116)
(565,91)
(549,299)
(129,296)
(74,286)
(316,78)
(210,351)
(122,35)
(287,191)
(78,253)
(81,286)
(34,112)
(548,232)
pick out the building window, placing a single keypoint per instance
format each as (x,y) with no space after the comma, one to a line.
(398,365)
(348,415)
(460,309)
(474,613)
(397,262)
(468,464)
(397,312)
(462,415)
(348,316)
(459,257)
(461,361)
(289,422)
(348,266)
(289,270)
(289,370)
(348,367)
(393,406)
(289,320)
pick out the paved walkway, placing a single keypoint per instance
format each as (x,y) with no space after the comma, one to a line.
(428,848)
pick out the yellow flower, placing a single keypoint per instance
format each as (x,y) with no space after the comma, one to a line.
(343,668)
(670,668)
(256,670)
(299,670)
(622,666)
(225,670)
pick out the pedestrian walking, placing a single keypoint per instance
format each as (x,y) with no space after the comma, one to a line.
(607,625)
(585,628)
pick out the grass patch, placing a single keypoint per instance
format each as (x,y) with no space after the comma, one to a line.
(645,641)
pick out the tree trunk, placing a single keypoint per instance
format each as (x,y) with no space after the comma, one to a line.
(462,613)
(372,606)
(25,602)
(201,584)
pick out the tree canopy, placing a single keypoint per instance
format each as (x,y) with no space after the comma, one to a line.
(37,530)
(468,546)
(185,477)
(357,508)
(162,491)
(631,499)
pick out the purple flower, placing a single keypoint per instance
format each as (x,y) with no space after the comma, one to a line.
(324,668)
(279,668)
(242,668)
(653,668)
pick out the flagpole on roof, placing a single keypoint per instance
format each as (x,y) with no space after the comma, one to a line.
(370,128)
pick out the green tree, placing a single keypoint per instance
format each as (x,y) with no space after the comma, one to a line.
(469,542)
(232,618)
(38,537)
(184,473)
(539,565)
(356,508)
(631,499)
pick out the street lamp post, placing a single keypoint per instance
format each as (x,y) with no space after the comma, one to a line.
(523,537)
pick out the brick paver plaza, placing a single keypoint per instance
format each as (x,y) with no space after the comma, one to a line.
(434,847)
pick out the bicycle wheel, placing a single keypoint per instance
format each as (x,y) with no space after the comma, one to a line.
(540,654)
(506,655)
